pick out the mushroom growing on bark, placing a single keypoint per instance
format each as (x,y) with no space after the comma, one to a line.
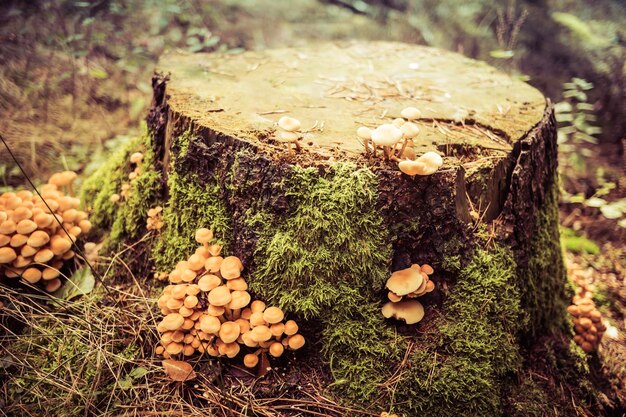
(290,132)
(386,136)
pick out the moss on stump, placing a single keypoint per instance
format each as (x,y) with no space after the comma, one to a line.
(321,230)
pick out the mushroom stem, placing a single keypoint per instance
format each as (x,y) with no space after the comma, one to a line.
(406,140)
(228,313)
(367,147)
(386,152)
(374,150)
(298,147)
(236,313)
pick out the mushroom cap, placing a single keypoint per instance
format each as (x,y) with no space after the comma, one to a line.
(43,256)
(409,130)
(209,282)
(38,238)
(244,325)
(273,315)
(247,339)
(405,281)
(172,321)
(411,311)
(237,284)
(276,349)
(278,329)
(416,168)
(231,267)
(190,301)
(7,227)
(289,124)
(229,331)
(179,291)
(427,269)
(231,349)
(32,275)
(50,273)
(364,132)
(43,220)
(204,235)
(261,333)
(196,262)
(256,319)
(210,324)
(213,264)
(432,159)
(7,255)
(398,121)
(59,245)
(296,341)
(386,135)
(250,360)
(393,297)
(239,299)
(22,213)
(136,157)
(410,113)
(219,296)
(215,310)
(53,285)
(257,305)
(18,240)
(291,327)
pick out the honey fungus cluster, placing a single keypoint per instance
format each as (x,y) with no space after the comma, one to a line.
(37,232)
(207,309)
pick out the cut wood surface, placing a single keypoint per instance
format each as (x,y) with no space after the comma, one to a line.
(335,88)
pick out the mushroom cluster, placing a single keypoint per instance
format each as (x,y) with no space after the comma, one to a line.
(411,282)
(289,131)
(207,309)
(389,136)
(155,219)
(37,233)
(396,141)
(135,160)
(587,319)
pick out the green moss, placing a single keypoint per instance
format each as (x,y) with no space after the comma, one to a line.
(332,234)
(192,204)
(190,207)
(127,218)
(107,180)
(543,282)
(573,242)
(145,191)
(461,369)
(326,259)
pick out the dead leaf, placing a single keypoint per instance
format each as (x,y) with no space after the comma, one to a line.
(178,370)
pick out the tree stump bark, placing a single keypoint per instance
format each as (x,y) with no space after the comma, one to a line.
(320,230)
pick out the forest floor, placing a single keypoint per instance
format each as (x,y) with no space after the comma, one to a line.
(75,84)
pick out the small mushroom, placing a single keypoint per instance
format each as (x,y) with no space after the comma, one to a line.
(411,113)
(411,311)
(386,135)
(405,281)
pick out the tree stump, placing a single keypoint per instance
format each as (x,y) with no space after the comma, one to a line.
(321,229)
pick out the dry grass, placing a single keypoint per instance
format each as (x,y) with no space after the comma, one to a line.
(94,356)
